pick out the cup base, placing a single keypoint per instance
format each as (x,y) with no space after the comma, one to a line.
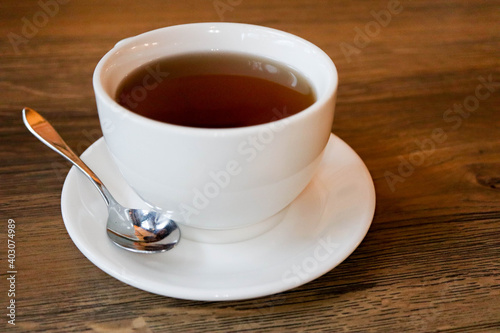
(225,236)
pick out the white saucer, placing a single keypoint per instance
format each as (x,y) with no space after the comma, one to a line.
(321,228)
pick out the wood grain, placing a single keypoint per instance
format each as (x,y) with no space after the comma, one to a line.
(431,260)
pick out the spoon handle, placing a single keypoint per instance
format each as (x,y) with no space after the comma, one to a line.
(44,132)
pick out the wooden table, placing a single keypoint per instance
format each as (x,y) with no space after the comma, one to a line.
(418,99)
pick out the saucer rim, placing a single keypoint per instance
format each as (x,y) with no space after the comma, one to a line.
(190,293)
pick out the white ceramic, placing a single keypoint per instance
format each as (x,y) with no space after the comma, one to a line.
(321,228)
(217,179)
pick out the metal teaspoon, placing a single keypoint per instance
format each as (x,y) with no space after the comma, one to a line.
(136,230)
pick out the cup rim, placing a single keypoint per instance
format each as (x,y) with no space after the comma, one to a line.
(99,90)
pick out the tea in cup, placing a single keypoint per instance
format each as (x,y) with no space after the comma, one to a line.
(223,124)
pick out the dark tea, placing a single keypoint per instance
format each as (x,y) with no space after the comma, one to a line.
(215,90)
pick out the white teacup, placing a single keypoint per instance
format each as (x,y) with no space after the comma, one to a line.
(217,179)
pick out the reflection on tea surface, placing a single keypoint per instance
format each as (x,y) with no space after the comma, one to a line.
(215,90)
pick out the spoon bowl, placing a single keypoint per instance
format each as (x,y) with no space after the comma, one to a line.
(136,230)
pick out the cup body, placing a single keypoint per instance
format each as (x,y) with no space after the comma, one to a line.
(217,178)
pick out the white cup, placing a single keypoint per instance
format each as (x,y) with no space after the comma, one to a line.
(212,178)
